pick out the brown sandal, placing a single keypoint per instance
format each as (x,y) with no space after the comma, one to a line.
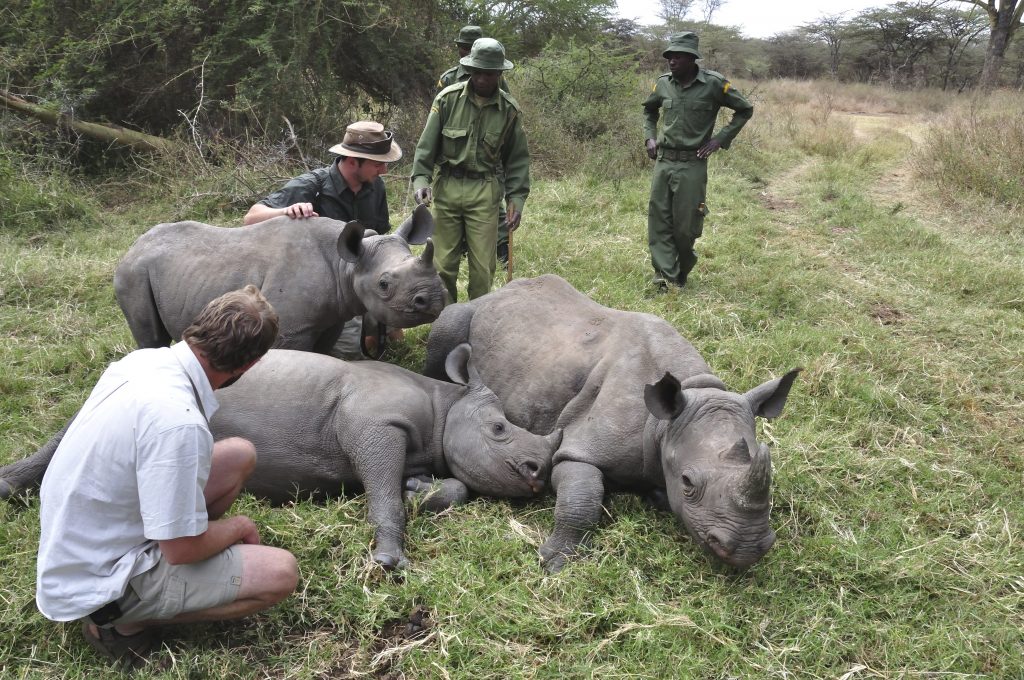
(131,650)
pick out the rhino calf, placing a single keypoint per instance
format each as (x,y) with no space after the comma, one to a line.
(639,407)
(320,424)
(317,274)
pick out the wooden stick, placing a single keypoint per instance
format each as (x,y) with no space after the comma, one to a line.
(508,270)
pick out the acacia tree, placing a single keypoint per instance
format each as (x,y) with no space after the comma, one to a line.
(1004,18)
(901,36)
(831,30)
(959,30)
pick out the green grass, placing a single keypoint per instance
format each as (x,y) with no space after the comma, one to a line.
(898,464)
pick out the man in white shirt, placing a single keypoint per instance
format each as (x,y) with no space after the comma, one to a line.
(131,505)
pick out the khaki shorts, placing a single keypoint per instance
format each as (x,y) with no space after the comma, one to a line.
(168,589)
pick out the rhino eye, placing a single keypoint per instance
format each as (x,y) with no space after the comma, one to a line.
(689,488)
(383,285)
(498,429)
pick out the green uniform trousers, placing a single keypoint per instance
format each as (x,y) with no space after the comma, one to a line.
(675,216)
(466,209)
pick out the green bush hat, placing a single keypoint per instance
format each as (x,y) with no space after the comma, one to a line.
(487,54)
(367,139)
(469,35)
(682,42)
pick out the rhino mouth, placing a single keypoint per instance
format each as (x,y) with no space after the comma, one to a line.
(530,472)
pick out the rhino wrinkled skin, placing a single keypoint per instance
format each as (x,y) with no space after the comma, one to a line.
(639,409)
(317,273)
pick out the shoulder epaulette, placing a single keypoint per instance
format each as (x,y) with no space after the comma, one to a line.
(509,98)
(459,86)
(715,74)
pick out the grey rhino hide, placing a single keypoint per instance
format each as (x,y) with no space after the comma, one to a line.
(320,424)
(317,273)
(639,407)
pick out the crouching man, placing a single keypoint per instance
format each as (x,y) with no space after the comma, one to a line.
(132,505)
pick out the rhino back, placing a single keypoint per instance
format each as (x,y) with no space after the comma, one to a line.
(187,264)
(557,358)
(311,416)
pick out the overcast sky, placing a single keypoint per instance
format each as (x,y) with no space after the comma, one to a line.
(757,18)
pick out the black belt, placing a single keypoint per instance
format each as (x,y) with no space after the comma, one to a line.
(677,154)
(459,172)
(105,614)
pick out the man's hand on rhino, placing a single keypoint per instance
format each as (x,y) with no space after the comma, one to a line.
(298,211)
(424,196)
(652,149)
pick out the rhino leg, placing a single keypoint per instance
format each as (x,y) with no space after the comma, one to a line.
(579,489)
(435,495)
(450,330)
(378,464)
(27,473)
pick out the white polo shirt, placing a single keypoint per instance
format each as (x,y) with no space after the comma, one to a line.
(130,470)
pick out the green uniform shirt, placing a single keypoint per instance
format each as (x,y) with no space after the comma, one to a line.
(689,112)
(331,197)
(458,74)
(462,132)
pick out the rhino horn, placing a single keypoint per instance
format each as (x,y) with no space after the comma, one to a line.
(427,258)
(417,226)
(755,485)
(554,439)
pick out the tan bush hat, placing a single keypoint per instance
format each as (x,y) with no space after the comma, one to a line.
(487,55)
(367,139)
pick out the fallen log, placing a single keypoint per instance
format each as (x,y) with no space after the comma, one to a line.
(113,134)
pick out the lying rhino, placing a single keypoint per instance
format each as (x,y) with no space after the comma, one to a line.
(320,424)
(318,274)
(639,407)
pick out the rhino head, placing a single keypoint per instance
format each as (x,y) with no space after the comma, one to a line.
(397,288)
(482,448)
(717,475)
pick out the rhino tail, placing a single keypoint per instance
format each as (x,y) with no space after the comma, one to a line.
(450,330)
(28,472)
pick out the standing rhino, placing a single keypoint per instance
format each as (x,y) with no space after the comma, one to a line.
(318,274)
(320,424)
(639,408)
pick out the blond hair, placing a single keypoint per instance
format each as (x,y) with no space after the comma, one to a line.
(234,329)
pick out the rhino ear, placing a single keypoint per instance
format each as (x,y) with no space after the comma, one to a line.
(350,242)
(767,400)
(456,365)
(417,227)
(664,399)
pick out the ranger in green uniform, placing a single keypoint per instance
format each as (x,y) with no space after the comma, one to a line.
(473,128)
(457,74)
(688,98)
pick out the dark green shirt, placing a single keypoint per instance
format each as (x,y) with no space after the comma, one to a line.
(689,113)
(331,197)
(461,131)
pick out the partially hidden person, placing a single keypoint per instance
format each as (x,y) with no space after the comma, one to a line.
(473,129)
(350,188)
